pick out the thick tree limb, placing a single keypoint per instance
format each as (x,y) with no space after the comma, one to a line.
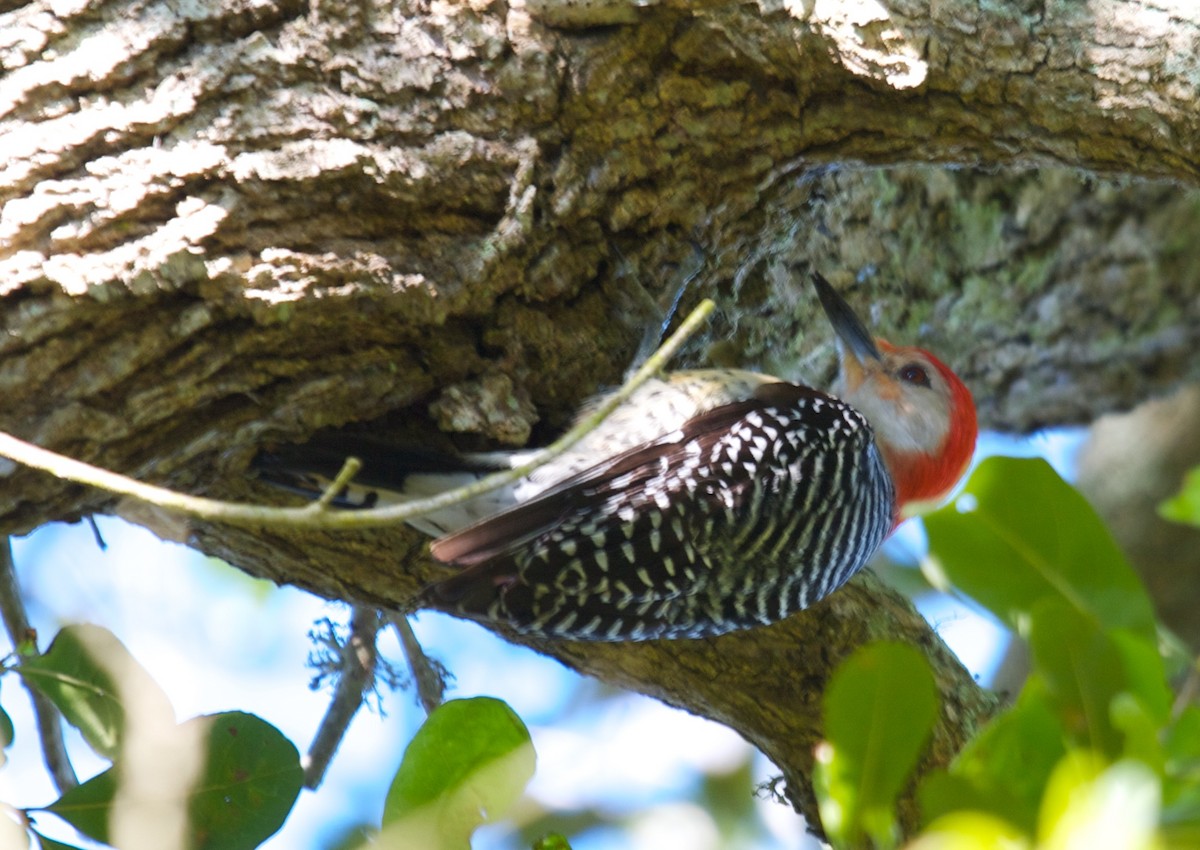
(229,223)
(318,514)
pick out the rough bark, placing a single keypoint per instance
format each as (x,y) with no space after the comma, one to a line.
(235,222)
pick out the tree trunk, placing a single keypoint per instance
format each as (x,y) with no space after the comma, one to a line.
(231,223)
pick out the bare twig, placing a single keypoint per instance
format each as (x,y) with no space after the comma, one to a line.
(428,675)
(101,544)
(49,725)
(357,676)
(349,469)
(317,514)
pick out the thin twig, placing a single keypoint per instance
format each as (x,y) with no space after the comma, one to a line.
(96,535)
(316,514)
(349,469)
(428,675)
(357,676)
(49,724)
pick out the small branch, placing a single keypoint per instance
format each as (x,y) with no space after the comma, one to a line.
(349,469)
(317,514)
(357,675)
(49,724)
(101,544)
(429,675)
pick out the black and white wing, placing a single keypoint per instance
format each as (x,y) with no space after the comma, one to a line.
(748,512)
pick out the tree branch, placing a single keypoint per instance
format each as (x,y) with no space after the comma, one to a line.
(356,666)
(419,217)
(428,676)
(49,721)
(767,683)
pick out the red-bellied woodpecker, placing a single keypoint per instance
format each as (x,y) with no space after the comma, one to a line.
(712,500)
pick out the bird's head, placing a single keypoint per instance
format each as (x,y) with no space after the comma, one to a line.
(922,413)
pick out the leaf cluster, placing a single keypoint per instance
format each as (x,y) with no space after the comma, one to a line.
(1091,753)
(241,775)
(466,766)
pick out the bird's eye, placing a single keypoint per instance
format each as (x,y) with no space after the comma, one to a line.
(913,373)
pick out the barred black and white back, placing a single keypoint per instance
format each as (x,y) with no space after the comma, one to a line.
(750,511)
(711,500)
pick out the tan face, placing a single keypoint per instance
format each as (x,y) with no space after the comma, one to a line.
(904,396)
(922,415)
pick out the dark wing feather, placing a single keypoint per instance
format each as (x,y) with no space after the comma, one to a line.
(643,545)
(506,531)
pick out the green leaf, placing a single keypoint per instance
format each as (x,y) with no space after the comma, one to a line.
(248,780)
(1182,743)
(1082,673)
(1179,837)
(88,806)
(467,764)
(970,831)
(1181,785)
(1018,534)
(251,779)
(1100,807)
(1085,669)
(1077,770)
(94,681)
(1140,730)
(1185,506)
(942,793)
(879,709)
(1145,674)
(7,733)
(1004,770)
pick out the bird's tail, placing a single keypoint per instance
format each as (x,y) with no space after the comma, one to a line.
(389,475)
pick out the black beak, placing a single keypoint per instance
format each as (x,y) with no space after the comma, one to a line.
(849,328)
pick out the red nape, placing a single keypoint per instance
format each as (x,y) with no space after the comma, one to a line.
(921,477)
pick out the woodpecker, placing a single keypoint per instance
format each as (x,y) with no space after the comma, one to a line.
(713,500)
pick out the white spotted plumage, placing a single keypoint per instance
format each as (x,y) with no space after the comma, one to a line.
(721,537)
(712,500)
